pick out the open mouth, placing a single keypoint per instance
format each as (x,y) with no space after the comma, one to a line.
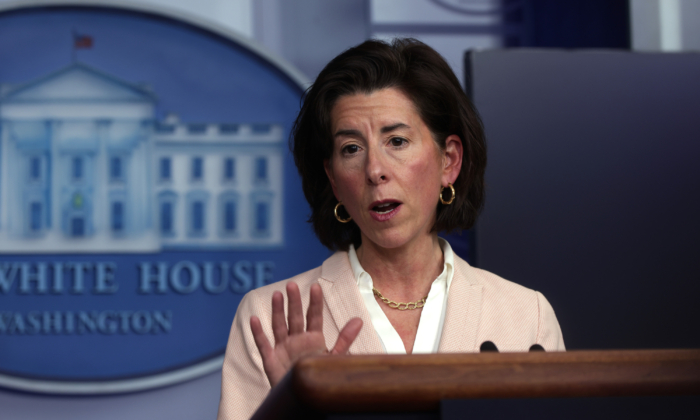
(385,208)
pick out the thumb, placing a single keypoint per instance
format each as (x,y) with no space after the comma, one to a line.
(347,336)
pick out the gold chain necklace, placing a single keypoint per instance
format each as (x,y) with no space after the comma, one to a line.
(401,306)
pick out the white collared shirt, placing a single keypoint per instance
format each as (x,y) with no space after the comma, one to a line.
(432,317)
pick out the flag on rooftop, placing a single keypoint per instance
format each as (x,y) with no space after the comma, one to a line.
(81,41)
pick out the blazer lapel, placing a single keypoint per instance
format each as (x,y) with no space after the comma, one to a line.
(463,312)
(345,302)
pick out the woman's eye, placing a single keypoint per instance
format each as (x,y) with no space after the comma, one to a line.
(398,141)
(351,149)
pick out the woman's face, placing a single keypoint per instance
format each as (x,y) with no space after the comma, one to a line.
(386,168)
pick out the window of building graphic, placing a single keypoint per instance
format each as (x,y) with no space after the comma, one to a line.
(261,128)
(229,169)
(260,169)
(228,214)
(166,217)
(77,200)
(166,213)
(197,168)
(117,216)
(261,214)
(228,128)
(165,169)
(77,168)
(35,216)
(197,128)
(35,168)
(34,212)
(116,169)
(197,216)
(77,226)
(197,213)
(164,128)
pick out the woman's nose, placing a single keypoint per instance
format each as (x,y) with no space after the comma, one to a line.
(375,167)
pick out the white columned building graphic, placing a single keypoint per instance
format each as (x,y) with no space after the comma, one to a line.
(85,167)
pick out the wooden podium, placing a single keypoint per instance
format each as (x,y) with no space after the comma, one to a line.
(418,386)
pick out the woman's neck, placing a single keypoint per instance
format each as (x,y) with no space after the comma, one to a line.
(406,272)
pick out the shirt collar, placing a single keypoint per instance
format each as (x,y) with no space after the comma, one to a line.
(447,271)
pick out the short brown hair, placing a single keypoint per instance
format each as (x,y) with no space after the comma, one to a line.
(423,75)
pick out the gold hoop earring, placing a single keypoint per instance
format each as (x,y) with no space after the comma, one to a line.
(452,197)
(335,211)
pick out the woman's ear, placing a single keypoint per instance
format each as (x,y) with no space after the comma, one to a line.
(452,159)
(329,173)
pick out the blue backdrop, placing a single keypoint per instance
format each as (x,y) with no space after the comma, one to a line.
(202,77)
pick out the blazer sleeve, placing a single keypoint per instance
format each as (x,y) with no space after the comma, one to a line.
(244,384)
(548,331)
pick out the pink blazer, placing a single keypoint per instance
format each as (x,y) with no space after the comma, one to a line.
(480,307)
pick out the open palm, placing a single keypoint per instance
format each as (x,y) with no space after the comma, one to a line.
(294,342)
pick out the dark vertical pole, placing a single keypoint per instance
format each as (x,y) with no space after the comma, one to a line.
(73,52)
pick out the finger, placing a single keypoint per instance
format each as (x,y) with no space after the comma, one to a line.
(296,312)
(314,316)
(261,341)
(270,366)
(347,336)
(279,324)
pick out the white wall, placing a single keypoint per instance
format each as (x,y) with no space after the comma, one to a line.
(665,25)
(234,14)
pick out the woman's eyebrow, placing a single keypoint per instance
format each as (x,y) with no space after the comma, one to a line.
(347,133)
(393,127)
(384,130)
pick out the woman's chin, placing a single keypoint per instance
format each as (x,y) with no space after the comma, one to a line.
(387,239)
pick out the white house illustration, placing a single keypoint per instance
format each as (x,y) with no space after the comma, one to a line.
(85,167)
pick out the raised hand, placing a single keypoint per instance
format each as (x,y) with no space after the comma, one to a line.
(292,343)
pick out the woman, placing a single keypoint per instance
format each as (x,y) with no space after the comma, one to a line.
(390,151)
